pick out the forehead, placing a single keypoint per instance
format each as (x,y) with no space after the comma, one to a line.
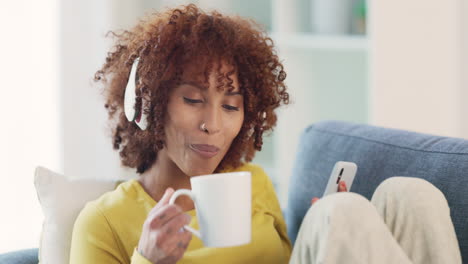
(198,73)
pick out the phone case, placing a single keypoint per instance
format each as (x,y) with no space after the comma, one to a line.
(342,171)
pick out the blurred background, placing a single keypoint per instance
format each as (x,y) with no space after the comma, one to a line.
(399,64)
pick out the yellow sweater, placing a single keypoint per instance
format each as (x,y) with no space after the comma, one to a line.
(108,229)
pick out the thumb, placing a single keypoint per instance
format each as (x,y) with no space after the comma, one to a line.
(163,201)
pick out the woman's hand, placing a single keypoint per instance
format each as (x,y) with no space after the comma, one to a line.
(163,239)
(341,188)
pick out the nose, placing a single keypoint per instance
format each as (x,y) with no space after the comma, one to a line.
(212,120)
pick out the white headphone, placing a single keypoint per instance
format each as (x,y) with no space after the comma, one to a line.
(134,115)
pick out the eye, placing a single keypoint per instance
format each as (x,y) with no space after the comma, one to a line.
(231,108)
(192,101)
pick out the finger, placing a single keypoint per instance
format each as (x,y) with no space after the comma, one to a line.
(167,196)
(163,201)
(314,200)
(173,234)
(161,209)
(182,245)
(159,218)
(175,224)
(178,243)
(342,187)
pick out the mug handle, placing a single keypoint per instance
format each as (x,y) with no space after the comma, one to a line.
(189,194)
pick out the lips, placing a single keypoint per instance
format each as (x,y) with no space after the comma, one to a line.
(204,150)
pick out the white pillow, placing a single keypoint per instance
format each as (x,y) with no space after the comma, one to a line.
(61,200)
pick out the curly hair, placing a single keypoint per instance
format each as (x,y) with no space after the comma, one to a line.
(167,42)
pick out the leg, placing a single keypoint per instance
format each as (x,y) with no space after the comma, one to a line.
(418,216)
(345,228)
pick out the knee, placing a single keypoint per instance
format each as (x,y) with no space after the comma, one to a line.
(413,193)
(345,205)
(339,214)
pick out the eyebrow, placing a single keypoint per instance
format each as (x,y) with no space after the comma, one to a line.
(233,93)
(204,88)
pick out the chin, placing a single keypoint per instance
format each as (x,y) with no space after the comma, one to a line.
(197,170)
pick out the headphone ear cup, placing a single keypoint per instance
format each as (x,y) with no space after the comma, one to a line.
(142,121)
(129,104)
(131,113)
(130,93)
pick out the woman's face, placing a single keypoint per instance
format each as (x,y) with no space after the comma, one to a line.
(194,150)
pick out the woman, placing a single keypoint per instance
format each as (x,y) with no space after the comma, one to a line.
(204,90)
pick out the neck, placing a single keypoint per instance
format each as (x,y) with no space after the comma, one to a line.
(164,173)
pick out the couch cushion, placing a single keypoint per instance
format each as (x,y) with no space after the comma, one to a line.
(25,256)
(62,199)
(380,153)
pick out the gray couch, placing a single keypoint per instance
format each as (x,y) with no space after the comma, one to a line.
(380,153)
(25,256)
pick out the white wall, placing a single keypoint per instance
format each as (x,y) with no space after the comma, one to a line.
(418,64)
(29,132)
(87,144)
(463,31)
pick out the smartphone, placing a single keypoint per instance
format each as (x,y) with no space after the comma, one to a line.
(342,171)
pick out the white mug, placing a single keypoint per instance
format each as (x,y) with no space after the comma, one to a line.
(223,204)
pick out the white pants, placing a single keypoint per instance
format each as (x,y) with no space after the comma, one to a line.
(407,221)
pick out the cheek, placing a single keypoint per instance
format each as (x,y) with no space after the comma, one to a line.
(234,126)
(177,125)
